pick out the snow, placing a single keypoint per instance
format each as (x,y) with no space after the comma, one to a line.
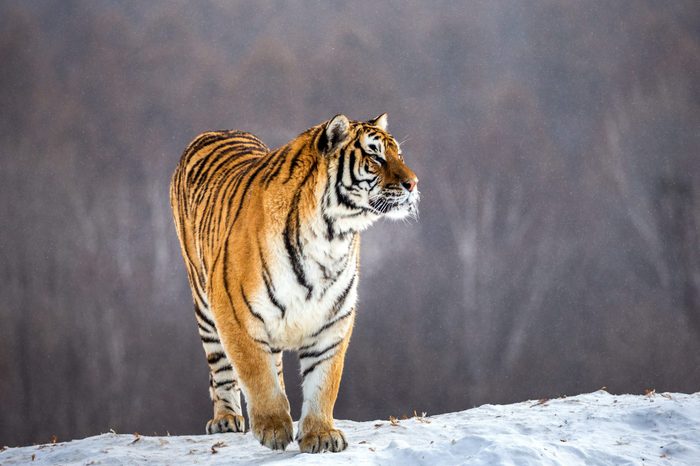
(595,428)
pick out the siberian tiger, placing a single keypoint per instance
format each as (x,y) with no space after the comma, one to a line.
(271,245)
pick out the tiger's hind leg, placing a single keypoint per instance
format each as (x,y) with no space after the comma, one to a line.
(224,388)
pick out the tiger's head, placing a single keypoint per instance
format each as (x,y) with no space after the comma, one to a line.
(368,174)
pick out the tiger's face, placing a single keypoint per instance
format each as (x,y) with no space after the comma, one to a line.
(371,175)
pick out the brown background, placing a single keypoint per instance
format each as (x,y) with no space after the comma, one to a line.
(557,144)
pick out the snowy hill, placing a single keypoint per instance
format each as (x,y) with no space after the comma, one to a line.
(597,428)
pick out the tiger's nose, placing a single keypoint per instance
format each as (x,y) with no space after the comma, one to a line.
(410,184)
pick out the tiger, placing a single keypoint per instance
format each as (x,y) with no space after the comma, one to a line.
(271,244)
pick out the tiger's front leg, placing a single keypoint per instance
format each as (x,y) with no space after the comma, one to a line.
(321,369)
(255,363)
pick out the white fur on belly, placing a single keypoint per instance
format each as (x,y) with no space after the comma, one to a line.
(304,317)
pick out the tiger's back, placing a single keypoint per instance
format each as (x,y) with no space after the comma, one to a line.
(270,241)
(204,178)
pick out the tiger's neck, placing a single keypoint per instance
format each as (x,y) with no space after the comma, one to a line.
(318,199)
(319,249)
(341,218)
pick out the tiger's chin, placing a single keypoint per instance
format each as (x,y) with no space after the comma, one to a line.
(401,213)
(405,210)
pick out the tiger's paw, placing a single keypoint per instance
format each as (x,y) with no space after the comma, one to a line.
(226,423)
(275,432)
(326,440)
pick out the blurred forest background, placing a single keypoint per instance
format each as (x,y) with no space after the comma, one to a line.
(558,147)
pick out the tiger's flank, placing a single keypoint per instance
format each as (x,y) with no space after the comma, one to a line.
(271,245)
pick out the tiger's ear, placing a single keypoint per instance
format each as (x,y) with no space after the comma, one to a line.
(380,121)
(336,131)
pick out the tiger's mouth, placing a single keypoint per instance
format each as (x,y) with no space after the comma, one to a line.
(396,207)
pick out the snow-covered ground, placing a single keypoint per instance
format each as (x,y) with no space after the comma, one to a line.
(597,428)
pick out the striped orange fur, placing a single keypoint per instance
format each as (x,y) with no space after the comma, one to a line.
(271,246)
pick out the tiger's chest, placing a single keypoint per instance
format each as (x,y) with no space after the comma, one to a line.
(309,283)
